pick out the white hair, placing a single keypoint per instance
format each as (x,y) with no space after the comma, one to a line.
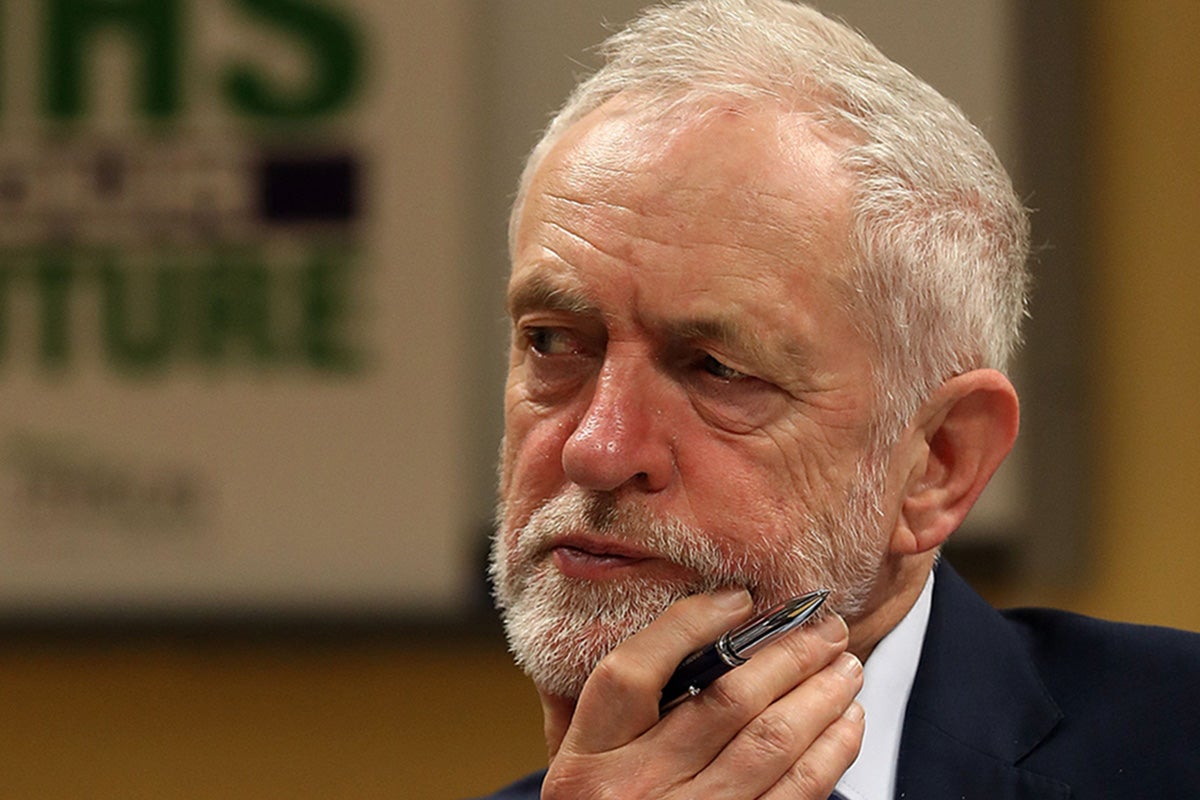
(939,239)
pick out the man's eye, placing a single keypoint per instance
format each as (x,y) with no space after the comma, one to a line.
(550,341)
(718,370)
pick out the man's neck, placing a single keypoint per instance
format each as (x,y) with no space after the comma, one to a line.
(898,587)
(887,682)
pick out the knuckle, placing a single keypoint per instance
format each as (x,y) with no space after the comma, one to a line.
(808,652)
(832,689)
(804,782)
(835,691)
(723,699)
(803,660)
(824,697)
(621,675)
(768,735)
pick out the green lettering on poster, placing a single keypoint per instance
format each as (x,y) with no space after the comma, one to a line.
(142,315)
(72,28)
(53,279)
(219,310)
(324,293)
(234,311)
(334,55)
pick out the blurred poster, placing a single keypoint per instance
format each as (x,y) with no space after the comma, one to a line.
(231,306)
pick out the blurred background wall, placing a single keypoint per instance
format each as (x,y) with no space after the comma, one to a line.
(430,707)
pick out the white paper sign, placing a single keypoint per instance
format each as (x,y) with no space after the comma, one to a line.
(232,307)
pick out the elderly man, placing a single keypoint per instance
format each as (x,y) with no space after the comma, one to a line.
(765,284)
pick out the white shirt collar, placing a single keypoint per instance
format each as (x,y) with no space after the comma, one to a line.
(887,680)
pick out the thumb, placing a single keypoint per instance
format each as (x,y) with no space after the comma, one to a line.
(556,718)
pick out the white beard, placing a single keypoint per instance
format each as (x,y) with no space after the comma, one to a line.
(560,627)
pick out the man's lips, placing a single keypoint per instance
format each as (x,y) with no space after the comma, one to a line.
(601,547)
(591,558)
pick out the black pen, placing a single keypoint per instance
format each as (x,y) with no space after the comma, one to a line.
(735,647)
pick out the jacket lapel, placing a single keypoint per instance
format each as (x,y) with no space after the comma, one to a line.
(977,708)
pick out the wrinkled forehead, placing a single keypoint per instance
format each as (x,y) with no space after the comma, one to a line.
(694,169)
(765,141)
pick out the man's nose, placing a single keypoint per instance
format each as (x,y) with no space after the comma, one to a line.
(624,436)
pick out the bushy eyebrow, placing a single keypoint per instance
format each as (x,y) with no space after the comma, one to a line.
(543,294)
(780,357)
(786,358)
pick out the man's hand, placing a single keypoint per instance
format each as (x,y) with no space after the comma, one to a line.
(784,725)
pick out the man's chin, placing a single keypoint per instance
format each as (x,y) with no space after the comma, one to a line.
(558,640)
(559,664)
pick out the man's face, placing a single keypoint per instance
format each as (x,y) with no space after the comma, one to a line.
(688,400)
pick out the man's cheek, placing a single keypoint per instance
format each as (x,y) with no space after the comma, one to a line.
(535,457)
(523,495)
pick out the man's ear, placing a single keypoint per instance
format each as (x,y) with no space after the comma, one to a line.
(955,442)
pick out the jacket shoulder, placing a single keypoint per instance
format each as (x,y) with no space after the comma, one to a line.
(1046,703)
(1088,649)
(1130,697)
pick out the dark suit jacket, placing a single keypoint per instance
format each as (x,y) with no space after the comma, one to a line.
(1034,703)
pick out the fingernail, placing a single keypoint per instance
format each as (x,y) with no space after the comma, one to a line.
(848,664)
(731,599)
(854,713)
(832,628)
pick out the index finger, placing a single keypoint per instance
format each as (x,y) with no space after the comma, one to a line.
(619,702)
